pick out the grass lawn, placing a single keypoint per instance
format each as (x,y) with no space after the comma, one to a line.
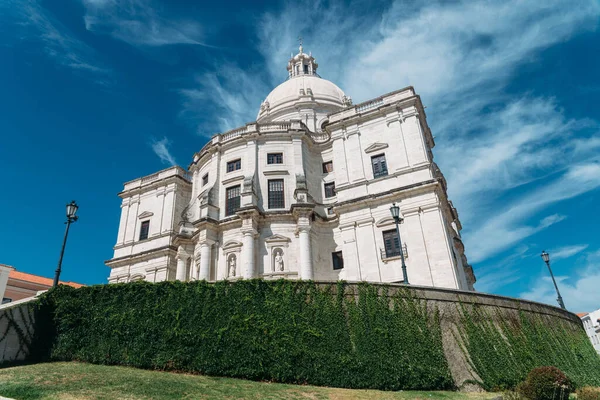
(73,380)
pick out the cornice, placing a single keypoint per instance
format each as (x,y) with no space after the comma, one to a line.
(154,185)
(148,254)
(150,239)
(368,182)
(376,197)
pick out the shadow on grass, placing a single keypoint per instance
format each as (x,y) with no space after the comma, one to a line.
(22,391)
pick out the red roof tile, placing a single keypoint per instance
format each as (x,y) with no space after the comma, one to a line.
(40,280)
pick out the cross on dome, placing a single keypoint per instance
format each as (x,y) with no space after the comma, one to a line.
(302,64)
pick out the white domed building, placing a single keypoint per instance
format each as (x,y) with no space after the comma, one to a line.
(304,192)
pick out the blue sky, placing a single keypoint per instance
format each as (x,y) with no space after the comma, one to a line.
(97,92)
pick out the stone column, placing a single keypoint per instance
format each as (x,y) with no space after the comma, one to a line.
(205,258)
(181,261)
(248,254)
(180,274)
(306,266)
(303,219)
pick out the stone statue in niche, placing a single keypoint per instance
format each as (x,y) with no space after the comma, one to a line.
(232,266)
(278,261)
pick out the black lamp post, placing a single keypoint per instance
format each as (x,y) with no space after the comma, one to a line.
(546,258)
(71,217)
(398,218)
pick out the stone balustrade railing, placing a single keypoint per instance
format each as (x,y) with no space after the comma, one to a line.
(263,128)
(372,104)
(369,105)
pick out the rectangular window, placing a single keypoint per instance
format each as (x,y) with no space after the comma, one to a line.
(329,189)
(379,165)
(330,211)
(305,68)
(338,260)
(234,165)
(205,179)
(327,167)
(232,202)
(144,230)
(276,194)
(275,158)
(391,241)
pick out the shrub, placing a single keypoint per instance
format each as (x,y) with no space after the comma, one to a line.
(512,395)
(283,331)
(546,383)
(588,393)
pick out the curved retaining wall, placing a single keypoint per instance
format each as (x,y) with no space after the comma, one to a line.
(452,304)
(468,322)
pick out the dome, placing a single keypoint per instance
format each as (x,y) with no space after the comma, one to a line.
(303,92)
(299,89)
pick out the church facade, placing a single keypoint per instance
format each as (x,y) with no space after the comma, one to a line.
(304,192)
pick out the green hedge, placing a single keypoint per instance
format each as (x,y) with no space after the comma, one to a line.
(504,350)
(284,331)
(301,332)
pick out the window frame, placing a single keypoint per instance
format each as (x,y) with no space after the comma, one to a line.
(272,158)
(275,196)
(324,166)
(235,165)
(146,224)
(337,257)
(394,249)
(331,185)
(231,209)
(205,179)
(380,161)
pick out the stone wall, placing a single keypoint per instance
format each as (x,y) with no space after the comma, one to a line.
(448,303)
(16,330)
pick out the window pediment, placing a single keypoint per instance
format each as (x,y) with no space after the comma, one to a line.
(387,221)
(232,244)
(145,214)
(376,147)
(277,239)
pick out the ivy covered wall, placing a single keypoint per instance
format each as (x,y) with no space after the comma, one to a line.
(344,335)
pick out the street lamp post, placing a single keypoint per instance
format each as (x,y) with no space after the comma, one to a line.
(546,258)
(71,217)
(398,218)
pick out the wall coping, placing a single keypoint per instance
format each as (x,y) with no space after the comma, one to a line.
(473,297)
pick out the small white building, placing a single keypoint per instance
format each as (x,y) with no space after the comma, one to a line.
(303,192)
(591,324)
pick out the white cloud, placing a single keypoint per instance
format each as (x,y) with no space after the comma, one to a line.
(161,149)
(460,56)
(230,97)
(29,21)
(509,226)
(136,22)
(566,251)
